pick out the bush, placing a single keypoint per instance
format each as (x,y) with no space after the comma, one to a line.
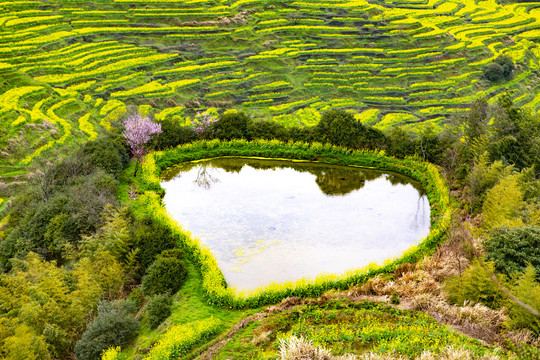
(136,296)
(401,144)
(507,64)
(494,72)
(114,326)
(475,285)
(158,309)
(152,239)
(106,152)
(527,290)
(500,69)
(173,253)
(166,274)
(233,125)
(512,249)
(338,127)
(174,134)
(267,130)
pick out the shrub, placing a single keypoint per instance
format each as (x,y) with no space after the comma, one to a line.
(267,130)
(474,285)
(504,203)
(114,326)
(173,253)
(512,249)
(494,72)
(136,296)
(107,153)
(500,69)
(158,309)
(305,134)
(174,134)
(527,290)
(232,125)
(152,239)
(507,64)
(166,274)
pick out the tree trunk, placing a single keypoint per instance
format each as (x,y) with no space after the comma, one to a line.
(136,168)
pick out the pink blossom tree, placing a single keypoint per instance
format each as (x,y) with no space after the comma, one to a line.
(139,130)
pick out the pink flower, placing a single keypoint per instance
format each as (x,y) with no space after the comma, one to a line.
(138,132)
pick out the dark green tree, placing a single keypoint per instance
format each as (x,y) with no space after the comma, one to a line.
(339,127)
(500,69)
(166,274)
(232,125)
(158,309)
(115,325)
(511,249)
(494,72)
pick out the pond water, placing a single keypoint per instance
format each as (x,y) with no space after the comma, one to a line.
(273,220)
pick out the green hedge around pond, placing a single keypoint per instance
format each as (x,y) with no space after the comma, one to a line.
(214,284)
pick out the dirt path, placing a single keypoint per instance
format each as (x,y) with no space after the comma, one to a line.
(209,353)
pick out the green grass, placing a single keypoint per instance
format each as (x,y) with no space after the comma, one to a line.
(345,327)
(378,55)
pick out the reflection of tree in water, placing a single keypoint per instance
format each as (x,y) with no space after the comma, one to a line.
(341,181)
(332,180)
(420,212)
(230,165)
(204,178)
(398,179)
(176,171)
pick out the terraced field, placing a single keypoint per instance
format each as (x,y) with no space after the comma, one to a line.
(70,69)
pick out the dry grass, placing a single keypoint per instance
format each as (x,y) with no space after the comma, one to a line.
(299,348)
(420,287)
(476,320)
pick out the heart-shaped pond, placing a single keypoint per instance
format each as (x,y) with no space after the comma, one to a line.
(273,220)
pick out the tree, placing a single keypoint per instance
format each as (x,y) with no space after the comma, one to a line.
(114,326)
(232,125)
(507,64)
(494,72)
(54,305)
(166,274)
(338,127)
(174,134)
(473,127)
(513,249)
(138,132)
(500,69)
(482,177)
(203,124)
(504,203)
(515,136)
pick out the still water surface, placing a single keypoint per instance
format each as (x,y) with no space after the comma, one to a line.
(272,220)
